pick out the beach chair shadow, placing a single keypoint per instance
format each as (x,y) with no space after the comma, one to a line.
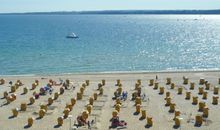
(121,128)
(142,118)
(114,98)
(26,126)
(148,126)
(175,127)
(194,104)
(77,125)
(11,117)
(167,105)
(29,104)
(38,118)
(4,104)
(57,126)
(112,127)
(160,93)
(197,125)
(135,113)
(22,93)
(171,111)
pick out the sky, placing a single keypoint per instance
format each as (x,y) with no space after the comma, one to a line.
(14,6)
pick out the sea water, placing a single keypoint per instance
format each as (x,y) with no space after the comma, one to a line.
(37,44)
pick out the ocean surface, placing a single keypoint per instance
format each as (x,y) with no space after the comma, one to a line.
(37,44)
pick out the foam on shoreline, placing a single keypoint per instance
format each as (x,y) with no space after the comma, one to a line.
(119,72)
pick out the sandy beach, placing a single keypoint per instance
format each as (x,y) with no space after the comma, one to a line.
(101,113)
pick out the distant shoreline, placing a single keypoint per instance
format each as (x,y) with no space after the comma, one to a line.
(123,12)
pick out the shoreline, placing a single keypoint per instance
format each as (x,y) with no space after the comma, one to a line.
(117,72)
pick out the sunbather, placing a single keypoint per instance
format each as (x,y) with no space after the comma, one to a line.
(115,122)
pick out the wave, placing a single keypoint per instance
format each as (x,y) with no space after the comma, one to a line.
(168,70)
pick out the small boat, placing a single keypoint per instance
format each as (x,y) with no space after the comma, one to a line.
(72,35)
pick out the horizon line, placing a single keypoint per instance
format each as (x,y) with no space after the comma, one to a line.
(114,10)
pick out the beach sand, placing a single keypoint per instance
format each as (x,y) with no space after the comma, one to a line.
(154,103)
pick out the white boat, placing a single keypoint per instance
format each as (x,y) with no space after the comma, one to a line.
(72,35)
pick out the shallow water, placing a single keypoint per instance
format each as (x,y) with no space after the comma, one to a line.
(37,44)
